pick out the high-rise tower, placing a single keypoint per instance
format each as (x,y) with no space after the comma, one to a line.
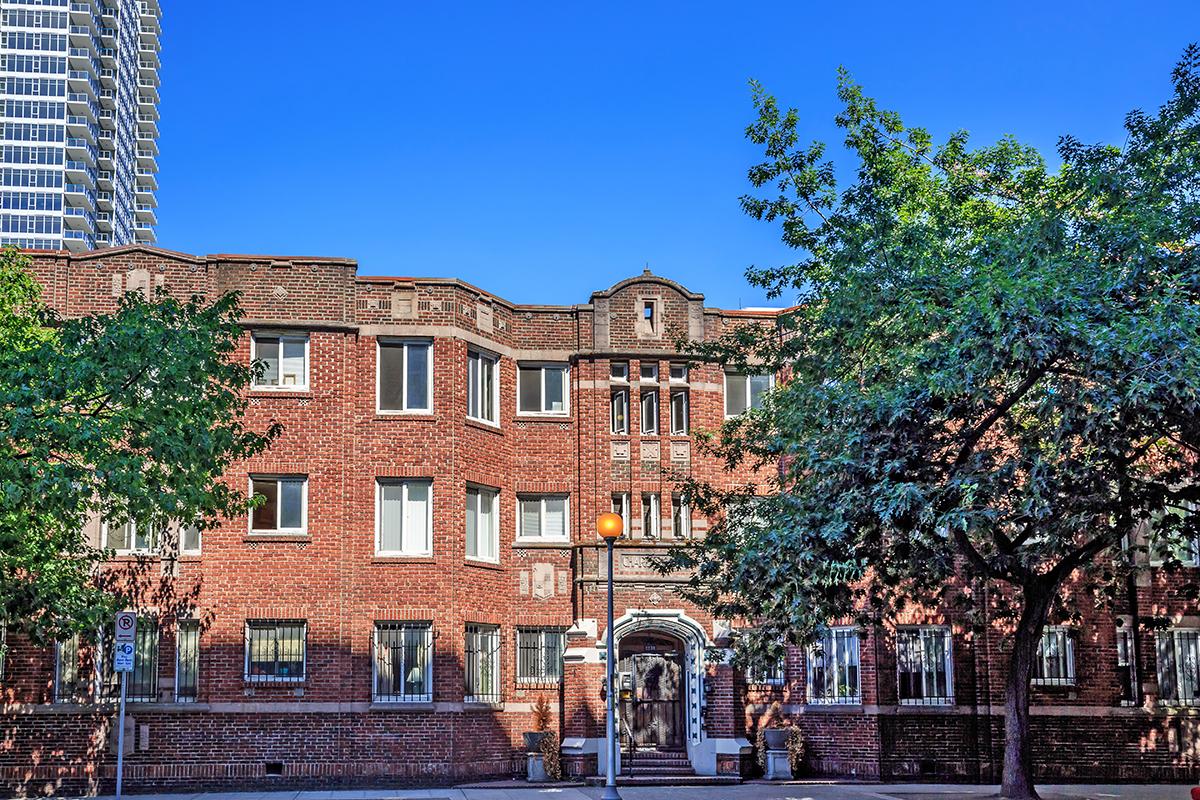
(79,87)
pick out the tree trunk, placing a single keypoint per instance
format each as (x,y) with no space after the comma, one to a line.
(1017,780)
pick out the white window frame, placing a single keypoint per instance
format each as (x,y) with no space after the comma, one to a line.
(1066,645)
(685,430)
(477,491)
(1125,660)
(281,336)
(655,506)
(1192,557)
(427,697)
(301,678)
(133,550)
(175,678)
(927,632)
(685,517)
(190,551)
(475,386)
(622,395)
(682,379)
(390,341)
(405,483)
(835,665)
(623,366)
(541,499)
(746,377)
(543,677)
(644,418)
(623,499)
(277,530)
(541,368)
(1190,696)
(652,366)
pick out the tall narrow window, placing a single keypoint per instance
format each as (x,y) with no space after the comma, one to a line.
(282,360)
(744,392)
(131,538)
(275,650)
(651,517)
(483,395)
(924,666)
(404,517)
(539,654)
(620,506)
(3,648)
(187,660)
(405,381)
(483,532)
(833,665)
(142,683)
(1178,651)
(1054,664)
(681,518)
(403,663)
(69,685)
(543,517)
(483,664)
(680,424)
(285,504)
(542,390)
(1126,672)
(649,404)
(189,539)
(620,411)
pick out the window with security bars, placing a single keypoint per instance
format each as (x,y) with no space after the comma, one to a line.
(924,667)
(539,654)
(403,662)
(1178,652)
(187,660)
(771,673)
(275,650)
(483,664)
(69,684)
(1054,663)
(1126,670)
(142,684)
(833,668)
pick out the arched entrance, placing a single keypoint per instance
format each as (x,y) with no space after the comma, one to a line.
(653,691)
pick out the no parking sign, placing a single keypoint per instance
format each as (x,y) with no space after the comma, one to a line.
(125,636)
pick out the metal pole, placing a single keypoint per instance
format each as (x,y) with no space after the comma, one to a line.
(121,735)
(610,780)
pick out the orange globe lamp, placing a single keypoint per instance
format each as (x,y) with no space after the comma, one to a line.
(610,526)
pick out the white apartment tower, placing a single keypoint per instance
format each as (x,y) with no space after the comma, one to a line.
(79,86)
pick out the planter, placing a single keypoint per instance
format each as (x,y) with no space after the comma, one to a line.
(535,768)
(533,741)
(775,738)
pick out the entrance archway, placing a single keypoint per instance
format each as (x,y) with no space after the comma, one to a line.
(653,691)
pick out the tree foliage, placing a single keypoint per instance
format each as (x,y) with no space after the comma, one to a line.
(992,373)
(132,415)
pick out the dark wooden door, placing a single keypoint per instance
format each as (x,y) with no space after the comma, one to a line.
(654,711)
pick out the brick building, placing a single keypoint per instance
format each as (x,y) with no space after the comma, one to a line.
(426,568)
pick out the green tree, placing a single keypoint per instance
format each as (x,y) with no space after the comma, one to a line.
(132,415)
(992,376)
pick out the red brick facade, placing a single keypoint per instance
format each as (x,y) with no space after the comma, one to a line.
(329,728)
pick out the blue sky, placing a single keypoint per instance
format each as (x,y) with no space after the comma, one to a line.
(544,150)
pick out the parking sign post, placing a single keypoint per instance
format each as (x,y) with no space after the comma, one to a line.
(123,643)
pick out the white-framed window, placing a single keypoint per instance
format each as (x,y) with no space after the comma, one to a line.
(285,506)
(130,538)
(187,660)
(743,392)
(402,667)
(1186,551)
(1178,657)
(619,371)
(275,650)
(680,422)
(649,408)
(189,539)
(403,517)
(651,516)
(681,517)
(679,373)
(1126,670)
(483,664)
(648,371)
(543,517)
(69,684)
(833,668)
(404,379)
(619,400)
(772,673)
(284,359)
(483,530)
(1054,663)
(483,387)
(925,666)
(620,506)
(543,389)
(539,654)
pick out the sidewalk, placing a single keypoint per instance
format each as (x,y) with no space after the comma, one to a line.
(748,791)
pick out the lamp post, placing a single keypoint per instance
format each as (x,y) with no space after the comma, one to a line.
(609,527)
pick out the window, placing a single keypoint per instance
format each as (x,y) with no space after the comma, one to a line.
(539,654)
(1178,652)
(681,518)
(620,411)
(283,358)
(651,517)
(679,373)
(403,517)
(619,371)
(483,396)
(680,424)
(483,532)
(833,668)
(542,390)
(773,673)
(1168,546)
(3,648)
(69,685)
(275,650)
(131,538)
(543,517)
(285,506)
(648,320)
(189,539)
(1054,664)
(483,664)
(649,403)
(620,505)
(187,660)
(403,663)
(648,371)
(924,666)
(405,381)
(1126,672)
(142,684)
(744,392)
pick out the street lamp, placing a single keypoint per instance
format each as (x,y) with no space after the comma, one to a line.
(609,527)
